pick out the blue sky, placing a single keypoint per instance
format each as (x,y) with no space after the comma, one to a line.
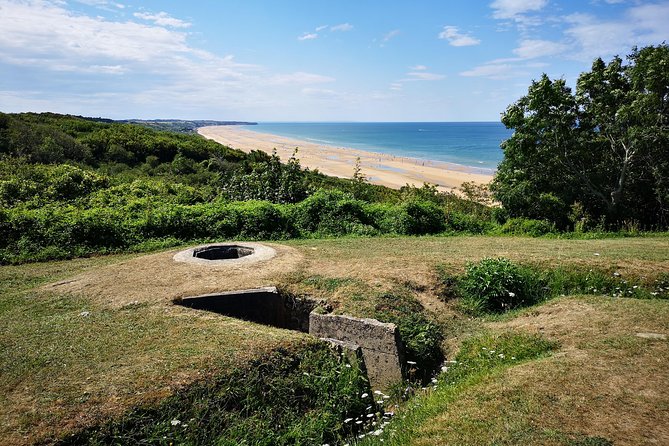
(305,60)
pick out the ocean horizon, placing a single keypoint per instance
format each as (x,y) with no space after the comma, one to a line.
(471,144)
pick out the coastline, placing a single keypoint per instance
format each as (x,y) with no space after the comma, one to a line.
(379,168)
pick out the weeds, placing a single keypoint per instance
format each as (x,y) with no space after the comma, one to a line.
(284,398)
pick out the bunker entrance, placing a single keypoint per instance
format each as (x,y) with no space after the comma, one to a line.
(222,252)
(262,305)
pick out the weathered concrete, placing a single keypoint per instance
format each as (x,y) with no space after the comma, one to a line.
(348,349)
(262,305)
(244,253)
(382,348)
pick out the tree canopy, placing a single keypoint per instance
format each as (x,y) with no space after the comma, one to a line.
(600,154)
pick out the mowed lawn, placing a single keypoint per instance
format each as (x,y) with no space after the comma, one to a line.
(71,357)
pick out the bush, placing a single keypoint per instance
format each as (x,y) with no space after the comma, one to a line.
(498,285)
(331,213)
(459,221)
(416,217)
(527,226)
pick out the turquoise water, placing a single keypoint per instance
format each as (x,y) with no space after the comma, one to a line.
(474,144)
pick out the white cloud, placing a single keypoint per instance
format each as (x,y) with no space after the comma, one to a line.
(418,68)
(389,35)
(308,36)
(300,78)
(422,76)
(320,93)
(342,27)
(162,19)
(497,70)
(513,9)
(396,86)
(641,25)
(321,28)
(103,4)
(533,48)
(455,38)
(87,64)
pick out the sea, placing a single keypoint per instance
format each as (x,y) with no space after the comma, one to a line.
(471,144)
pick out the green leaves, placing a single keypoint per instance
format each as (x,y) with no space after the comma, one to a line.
(605,146)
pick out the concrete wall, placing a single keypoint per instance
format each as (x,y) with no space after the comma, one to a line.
(381,346)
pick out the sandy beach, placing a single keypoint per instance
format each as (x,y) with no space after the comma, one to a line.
(379,168)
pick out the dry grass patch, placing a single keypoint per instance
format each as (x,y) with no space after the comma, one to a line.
(71,360)
(605,384)
(104,336)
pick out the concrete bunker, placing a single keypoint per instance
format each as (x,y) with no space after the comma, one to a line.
(226,254)
(261,305)
(379,344)
(222,252)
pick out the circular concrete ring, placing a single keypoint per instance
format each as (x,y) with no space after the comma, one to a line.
(260,253)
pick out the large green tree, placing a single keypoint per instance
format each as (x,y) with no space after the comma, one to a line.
(599,153)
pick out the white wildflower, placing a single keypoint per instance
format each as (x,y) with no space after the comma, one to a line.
(175,422)
(364,395)
(85,313)
(348,420)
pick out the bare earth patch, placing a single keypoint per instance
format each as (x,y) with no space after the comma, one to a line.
(158,278)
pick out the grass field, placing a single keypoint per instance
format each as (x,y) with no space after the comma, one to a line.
(89,339)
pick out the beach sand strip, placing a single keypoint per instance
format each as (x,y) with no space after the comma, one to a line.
(378,168)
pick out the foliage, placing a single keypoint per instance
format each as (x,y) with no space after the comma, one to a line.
(478,359)
(422,337)
(497,285)
(527,226)
(284,398)
(72,186)
(268,179)
(603,148)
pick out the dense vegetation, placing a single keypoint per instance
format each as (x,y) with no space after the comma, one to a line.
(599,156)
(284,398)
(72,186)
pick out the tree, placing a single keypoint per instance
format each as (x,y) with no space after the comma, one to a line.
(603,149)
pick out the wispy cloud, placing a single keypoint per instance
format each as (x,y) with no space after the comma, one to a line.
(145,66)
(300,78)
(162,19)
(342,27)
(533,48)
(416,73)
(641,25)
(391,35)
(456,38)
(308,36)
(515,9)
(495,71)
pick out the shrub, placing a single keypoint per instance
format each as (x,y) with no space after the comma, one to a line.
(420,217)
(498,285)
(527,226)
(421,336)
(330,213)
(459,221)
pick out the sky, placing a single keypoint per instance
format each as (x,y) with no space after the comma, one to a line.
(312,60)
